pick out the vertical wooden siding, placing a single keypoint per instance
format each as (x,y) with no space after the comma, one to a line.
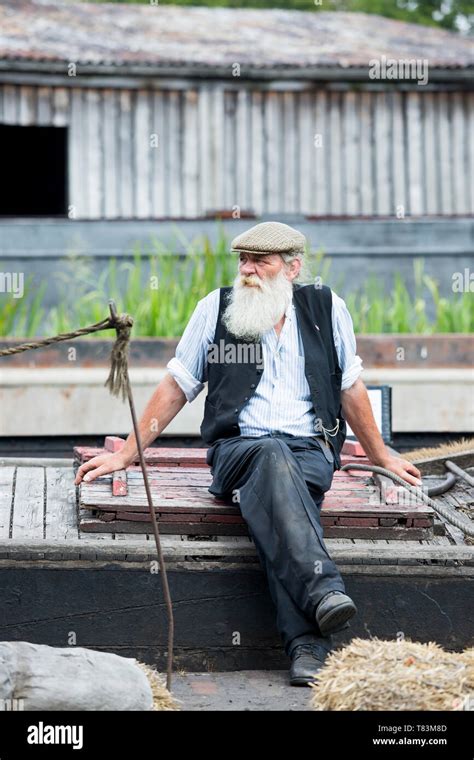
(181,153)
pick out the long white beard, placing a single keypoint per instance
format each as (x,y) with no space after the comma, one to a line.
(256,307)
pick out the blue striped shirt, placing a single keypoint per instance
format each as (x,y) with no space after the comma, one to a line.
(282,400)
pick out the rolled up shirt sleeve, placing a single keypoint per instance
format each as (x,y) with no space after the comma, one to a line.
(189,364)
(345,342)
(190,386)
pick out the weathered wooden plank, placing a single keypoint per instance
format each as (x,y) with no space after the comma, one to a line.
(194,506)
(460,503)
(93,136)
(158,156)
(213,528)
(205,164)
(92,525)
(430,189)
(321,140)
(142,151)
(289,155)
(444,152)
(110,127)
(329,518)
(27,106)
(230,155)
(351,124)
(402,534)
(463,493)
(60,107)
(335,132)
(174,154)
(44,113)
(357,551)
(125,173)
(397,511)
(119,483)
(272,146)
(241,160)
(76,147)
(7,476)
(164,518)
(439,540)
(216,135)
(190,168)
(414,145)
(28,506)
(97,540)
(257,165)
(182,500)
(382,152)
(181,473)
(367,180)
(10,104)
(168,490)
(154,478)
(454,534)
(341,541)
(136,538)
(61,509)
(398,165)
(189,506)
(306,150)
(166,456)
(459,139)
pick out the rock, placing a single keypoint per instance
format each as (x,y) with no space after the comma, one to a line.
(71,678)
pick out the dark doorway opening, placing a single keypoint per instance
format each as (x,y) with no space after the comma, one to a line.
(33,170)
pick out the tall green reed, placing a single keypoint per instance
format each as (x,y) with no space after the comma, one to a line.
(160,290)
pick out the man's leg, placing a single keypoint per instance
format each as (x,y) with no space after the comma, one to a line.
(318,470)
(283,521)
(294,626)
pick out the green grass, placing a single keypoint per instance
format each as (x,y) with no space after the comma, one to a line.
(161,290)
(375,311)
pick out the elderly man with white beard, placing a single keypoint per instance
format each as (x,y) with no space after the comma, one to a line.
(275,422)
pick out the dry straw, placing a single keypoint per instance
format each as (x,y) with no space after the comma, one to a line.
(371,674)
(162,699)
(444,450)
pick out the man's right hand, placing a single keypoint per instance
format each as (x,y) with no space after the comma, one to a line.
(101,465)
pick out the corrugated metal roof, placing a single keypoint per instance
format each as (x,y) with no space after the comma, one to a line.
(169,35)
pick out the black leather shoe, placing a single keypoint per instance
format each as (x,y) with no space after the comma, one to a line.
(334,611)
(305,662)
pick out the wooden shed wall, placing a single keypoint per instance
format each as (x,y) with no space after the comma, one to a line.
(221,146)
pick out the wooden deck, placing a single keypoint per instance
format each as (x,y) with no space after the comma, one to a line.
(40,514)
(56,579)
(179,480)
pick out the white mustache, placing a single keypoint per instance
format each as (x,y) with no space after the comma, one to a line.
(256,305)
(250,280)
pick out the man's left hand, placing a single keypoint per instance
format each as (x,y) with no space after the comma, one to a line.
(403,468)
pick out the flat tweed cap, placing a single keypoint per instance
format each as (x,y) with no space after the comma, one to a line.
(269,237)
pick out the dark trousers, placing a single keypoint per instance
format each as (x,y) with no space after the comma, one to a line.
(279,481)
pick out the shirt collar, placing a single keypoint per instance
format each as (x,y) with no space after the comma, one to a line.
(289,310)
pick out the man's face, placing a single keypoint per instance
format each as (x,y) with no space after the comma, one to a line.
(261,293)
(255,267)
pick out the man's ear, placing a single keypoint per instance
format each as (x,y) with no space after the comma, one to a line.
(295,267)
